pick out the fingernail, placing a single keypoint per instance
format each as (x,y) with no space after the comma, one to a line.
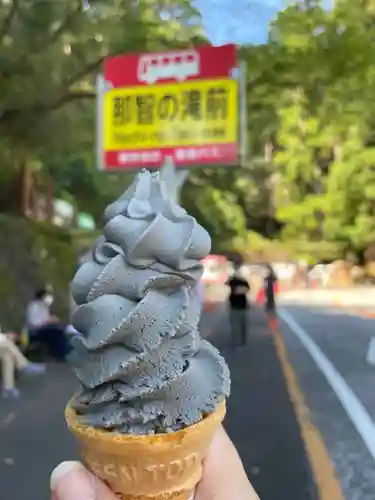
(62,470)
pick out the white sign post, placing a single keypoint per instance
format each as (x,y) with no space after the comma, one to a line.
(174,179)
(218,137)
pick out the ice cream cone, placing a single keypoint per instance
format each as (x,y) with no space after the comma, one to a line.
(158,467)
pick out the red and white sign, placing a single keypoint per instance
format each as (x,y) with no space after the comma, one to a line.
(178,104)
(219,154)
(200,63)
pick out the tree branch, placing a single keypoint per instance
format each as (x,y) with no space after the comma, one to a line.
(86,70)
(10,115)
(65,24)
(62,96)
(67,98)
(4,29)
(66,95)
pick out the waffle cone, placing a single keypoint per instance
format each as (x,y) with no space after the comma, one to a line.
(157,467)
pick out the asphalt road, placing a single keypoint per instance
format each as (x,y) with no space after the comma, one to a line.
(327,347)
(260,420)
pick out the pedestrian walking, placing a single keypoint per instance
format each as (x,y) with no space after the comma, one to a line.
(238,307)
(270,285)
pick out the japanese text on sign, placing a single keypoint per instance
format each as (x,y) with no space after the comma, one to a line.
(185,114)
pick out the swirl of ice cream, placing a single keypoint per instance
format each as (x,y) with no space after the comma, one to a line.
(141,362)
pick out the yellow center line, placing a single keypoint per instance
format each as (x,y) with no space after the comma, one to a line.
(327,483)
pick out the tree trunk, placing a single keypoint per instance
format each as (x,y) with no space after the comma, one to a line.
(26,190)
(49,198)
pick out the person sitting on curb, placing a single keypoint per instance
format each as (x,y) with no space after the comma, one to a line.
(47,328)
(11,360)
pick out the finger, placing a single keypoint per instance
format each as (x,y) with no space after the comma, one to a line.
(223,473)
(71,481)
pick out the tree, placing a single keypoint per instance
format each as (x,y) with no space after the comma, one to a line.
(311,127)
(46,98)
(324,140)
(214,207)
(65,47)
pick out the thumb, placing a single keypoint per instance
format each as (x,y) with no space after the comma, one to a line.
(223,473)
(72,481)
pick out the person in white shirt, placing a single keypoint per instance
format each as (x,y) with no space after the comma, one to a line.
(46,328)
(12,360)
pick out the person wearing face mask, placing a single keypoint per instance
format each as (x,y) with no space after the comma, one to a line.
(45,327)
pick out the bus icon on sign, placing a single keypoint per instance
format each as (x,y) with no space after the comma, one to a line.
(172,66)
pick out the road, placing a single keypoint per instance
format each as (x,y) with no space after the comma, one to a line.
(299,413)
(327,348)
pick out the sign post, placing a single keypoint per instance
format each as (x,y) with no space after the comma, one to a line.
(100,93)
(174,179)
(243,112)
(171,111)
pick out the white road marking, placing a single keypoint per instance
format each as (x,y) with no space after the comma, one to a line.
(370,358)
(351,404)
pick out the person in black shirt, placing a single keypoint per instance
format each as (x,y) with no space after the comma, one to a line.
(270,282)
(269,286)
(238,303)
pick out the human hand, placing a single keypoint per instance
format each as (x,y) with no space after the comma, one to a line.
(223,477)
(223,473)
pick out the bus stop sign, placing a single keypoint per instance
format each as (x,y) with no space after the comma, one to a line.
(200,63)
(178,104)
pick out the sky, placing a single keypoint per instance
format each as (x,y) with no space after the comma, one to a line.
(239,21)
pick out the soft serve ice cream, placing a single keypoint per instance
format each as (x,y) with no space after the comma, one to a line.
(142,364)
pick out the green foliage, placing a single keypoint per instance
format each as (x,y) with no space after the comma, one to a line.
(323,125)
(310,177)
(50,53)
(214,205)
(31,256)
(65,46)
